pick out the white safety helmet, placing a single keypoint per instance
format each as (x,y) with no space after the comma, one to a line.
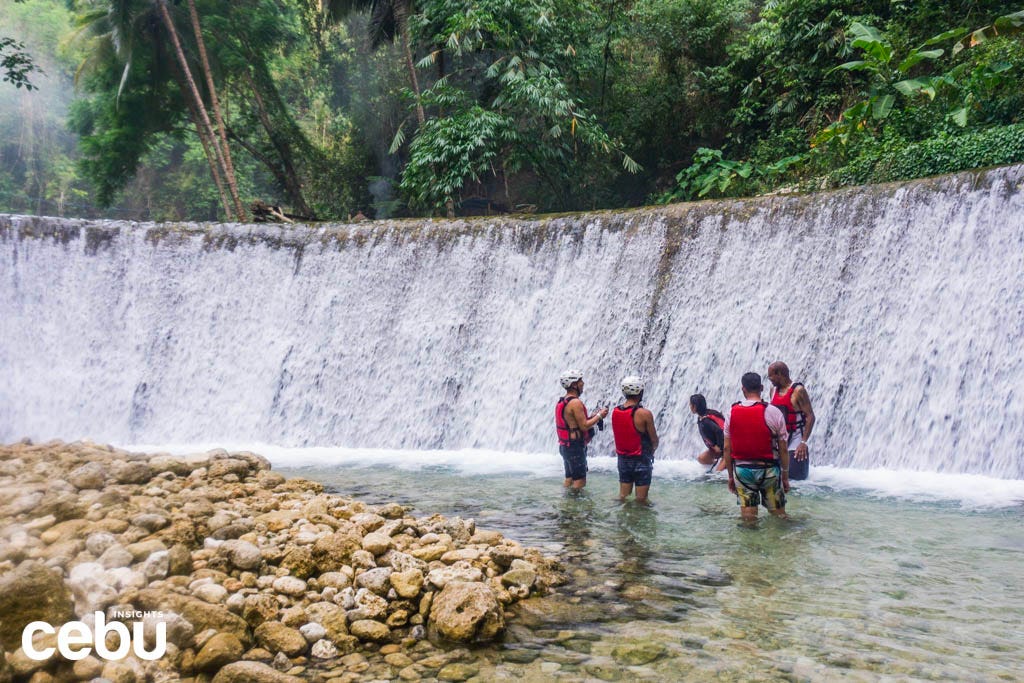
(570,377)
(632,385)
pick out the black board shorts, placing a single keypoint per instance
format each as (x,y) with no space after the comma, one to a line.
(636,469)
(574,458)
(799,469)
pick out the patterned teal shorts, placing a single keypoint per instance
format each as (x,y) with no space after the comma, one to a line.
(758,485)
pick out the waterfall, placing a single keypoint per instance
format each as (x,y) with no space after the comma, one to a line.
(900,307)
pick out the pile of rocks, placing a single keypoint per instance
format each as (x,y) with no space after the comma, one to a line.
(255,577)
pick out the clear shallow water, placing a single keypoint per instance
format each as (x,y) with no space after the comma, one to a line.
(860,585)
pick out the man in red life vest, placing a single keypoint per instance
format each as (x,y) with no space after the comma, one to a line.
(710,423)
(636,439)
(574,428)
(754,433)
(791,398)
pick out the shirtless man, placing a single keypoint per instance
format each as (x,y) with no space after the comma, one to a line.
(574,428)
(791,398)
(636,439)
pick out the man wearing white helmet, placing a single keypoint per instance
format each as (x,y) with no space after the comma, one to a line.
(574,428)
(636,439)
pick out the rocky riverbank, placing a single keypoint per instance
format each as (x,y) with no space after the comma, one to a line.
(255,577)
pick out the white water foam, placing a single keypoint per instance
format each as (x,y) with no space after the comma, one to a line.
(969,491)
(900,307)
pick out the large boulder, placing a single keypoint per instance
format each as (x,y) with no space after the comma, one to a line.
(466,612)
(202,615)
(32,592)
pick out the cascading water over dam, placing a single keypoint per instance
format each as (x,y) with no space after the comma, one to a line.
(901,308)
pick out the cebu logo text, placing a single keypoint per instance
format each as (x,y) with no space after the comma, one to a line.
(73,635)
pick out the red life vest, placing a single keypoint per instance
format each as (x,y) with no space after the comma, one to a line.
(751,438)
(784,402)
(629,441)
(562,429)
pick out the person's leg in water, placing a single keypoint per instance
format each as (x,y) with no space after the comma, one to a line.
(642,476)
(625,478)
(578,467)
(749,482)
(566,466)
(574,459)
(773,494)
(709,457)
(641,494)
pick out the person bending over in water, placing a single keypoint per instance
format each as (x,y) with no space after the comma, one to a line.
(636,439)
(710,424)
(791,398)
(754,433)
(574,428)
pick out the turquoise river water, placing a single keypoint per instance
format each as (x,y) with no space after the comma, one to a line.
(917,582)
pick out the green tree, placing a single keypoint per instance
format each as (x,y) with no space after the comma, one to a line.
(505,104)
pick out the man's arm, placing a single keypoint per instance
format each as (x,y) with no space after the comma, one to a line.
(783,442)
(579,415)
(802,401)
(729,466)
(647,417)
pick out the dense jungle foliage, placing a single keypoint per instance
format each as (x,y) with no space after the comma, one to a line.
(328,109)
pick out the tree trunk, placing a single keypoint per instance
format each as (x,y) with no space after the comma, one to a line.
(286,174)
(402,10)
(210,156)
(229,165)
(204,117)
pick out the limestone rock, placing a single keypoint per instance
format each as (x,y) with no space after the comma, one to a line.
(333,551)
(313,632)
(151,521)
(131,472)
(368,629)
(252,672)
(289,585)
(466,612)
(458,671)
(242,554)
(91,475)
(442,576)
(635,654)
(219,650)
(32,592)
(375,580)
(220,468)
(407,584)
(144,549)
(179,561)
(323,649)
(259,608)
(376,543)
(521,573)
(85,669)
(299,561)
(277,637)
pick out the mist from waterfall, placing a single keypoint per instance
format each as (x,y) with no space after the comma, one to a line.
(900,307)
